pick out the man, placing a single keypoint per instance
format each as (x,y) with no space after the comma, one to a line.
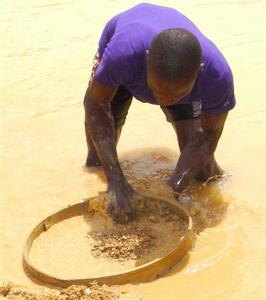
(159,56)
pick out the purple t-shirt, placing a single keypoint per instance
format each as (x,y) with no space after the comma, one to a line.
(122,51)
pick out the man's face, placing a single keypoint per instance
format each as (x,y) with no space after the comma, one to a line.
(168,93)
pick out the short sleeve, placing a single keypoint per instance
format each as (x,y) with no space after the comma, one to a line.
(118,64)
(217,95)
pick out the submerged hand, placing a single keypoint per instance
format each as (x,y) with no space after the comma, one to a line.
(120,207)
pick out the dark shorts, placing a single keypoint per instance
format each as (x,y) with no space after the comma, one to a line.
(123,98)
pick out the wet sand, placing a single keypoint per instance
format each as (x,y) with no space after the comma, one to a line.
(46,55)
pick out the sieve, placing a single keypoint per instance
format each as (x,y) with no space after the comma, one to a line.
(146,272)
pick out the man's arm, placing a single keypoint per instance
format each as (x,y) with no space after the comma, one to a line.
(99,125)
(198,150)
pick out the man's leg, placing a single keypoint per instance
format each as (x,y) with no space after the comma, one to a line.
(185,119)
(119,107)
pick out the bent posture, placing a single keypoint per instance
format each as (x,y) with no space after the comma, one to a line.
(157,55)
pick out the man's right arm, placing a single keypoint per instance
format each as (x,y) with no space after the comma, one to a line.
(99,125)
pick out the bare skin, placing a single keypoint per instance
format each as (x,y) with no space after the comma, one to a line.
(99,126)
(185,130)
(197,154)
(197,140)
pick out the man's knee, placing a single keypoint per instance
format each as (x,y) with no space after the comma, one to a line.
(120,121)
(120,106)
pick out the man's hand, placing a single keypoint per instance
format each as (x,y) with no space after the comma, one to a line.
(120,207)
(178,183)
(198,152)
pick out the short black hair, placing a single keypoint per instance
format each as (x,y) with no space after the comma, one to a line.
(174,55)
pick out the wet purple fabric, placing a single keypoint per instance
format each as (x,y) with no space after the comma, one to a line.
(122,51)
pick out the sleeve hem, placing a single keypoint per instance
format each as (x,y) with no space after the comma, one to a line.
(220,110)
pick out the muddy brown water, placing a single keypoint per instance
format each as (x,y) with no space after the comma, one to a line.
(46,54)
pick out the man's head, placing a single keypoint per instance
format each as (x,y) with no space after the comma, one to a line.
(173,63)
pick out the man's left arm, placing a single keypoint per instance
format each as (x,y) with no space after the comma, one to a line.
(198,150)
